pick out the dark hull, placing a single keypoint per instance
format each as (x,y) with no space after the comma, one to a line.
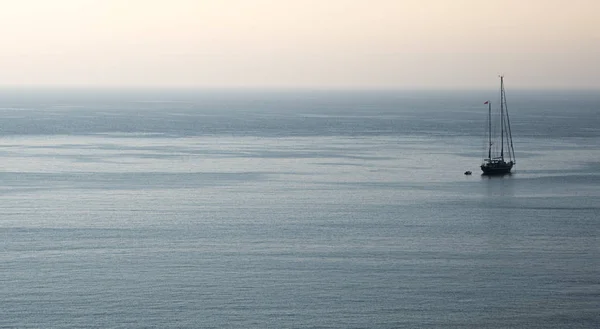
(496,169)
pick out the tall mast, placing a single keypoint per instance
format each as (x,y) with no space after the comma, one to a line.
(489,130)
(502,117)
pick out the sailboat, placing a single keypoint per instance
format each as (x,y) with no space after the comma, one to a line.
(500,158)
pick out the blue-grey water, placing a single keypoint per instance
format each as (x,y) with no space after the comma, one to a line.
(296,209)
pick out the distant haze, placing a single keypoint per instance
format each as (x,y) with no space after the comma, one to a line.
(300,43)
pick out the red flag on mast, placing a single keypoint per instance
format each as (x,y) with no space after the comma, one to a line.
(486,102)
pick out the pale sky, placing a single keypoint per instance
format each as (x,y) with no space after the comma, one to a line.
(300,43)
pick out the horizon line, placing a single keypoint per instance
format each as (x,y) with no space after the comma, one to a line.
(282,88)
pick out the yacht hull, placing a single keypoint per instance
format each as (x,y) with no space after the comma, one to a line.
(497,169)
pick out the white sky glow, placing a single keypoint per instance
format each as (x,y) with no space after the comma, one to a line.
(300,43)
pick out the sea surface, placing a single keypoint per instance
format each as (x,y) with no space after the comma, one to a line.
(296,209)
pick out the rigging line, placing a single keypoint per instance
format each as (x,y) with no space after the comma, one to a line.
(507,137)
(510,132)
(504,123)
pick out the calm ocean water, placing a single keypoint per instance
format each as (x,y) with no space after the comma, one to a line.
(308,209)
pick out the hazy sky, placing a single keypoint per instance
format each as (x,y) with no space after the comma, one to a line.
(300,43)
